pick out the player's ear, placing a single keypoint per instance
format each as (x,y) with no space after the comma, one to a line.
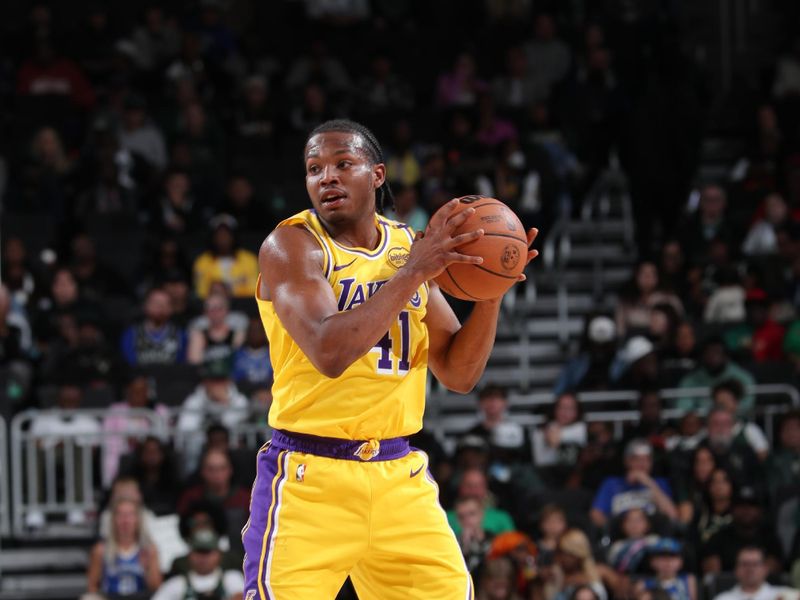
(379,175)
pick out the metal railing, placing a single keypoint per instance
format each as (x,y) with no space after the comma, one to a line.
(56,473)
(5,505)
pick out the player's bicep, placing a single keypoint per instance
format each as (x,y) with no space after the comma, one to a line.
(442,325)
(290,262)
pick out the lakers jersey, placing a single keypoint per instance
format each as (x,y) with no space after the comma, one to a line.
(382,394)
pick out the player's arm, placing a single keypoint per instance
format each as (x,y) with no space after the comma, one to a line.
(291,265)
(457,354)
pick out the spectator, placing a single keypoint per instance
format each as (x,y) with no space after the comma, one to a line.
(638,299)
(243,204)
(762,238)
(559,441)
(521,85)
(667,564)
(402,157)
(636,365)
(47,179)
(598,460)
(748,528)
(590,370)
(473,539)
(123,422)
(728,395)
(140,136)
(217,341)
(406,208)
(225,261)
(205,515)
(92,361)
(714,368)
(13,359)
(256,130)
(732,452)
(681,358)
(155,340)
(126,563)
(783,467)
(552,525)
(522,551)
(216,399)
(493,131)
(714,513)
(154,469)
(251,362)
(217,486)
(206,577)
(710,222)
(473,484)
(47,73)
(493,407)
(574,568)
(637,489)
(651,425)
(96,280)
(165,262)
(383,92)
(627,554)
(691,487)
(177,210)
(20,277)
(760,338)
(461,86)
(752,567)
(156,41)
(124,488)
(497,580)
(727,301)
(547,54)
(689,435)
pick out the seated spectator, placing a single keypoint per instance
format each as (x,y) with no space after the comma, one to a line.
(13,357)
(651,425)
(217,485)
(497,580)
(460,86)
(715,366)
(216,399)
(176,211)
(406,208)
(727,395)
(761,239)
(52,429)
(96,280)
(523,553)
(689,435)
(681,358)
(126,562)
(638,299)
(710,222)
(690,489)
(473,539)
(473,484)
(120,426)
(201,515)
(627,554)
(636,365)
(206,578)
(520,86)
(637,489)
(749,527)
(783,466)
(574,567)
(493,407)
(752,567)
(242,203)
(140,136)
(92,361)
(557,443)
(598,460)
(727,302)
(760,338)
(218,340)
(123,488)
(546,52)
(251,362)
(732,452)
(552,525)
(154,469)
(714,513)
(225,261)
(591,369)
(667,563)
(155,340)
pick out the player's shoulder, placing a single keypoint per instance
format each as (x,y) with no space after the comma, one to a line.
(287,241)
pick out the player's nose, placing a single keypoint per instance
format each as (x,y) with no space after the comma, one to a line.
(329,175)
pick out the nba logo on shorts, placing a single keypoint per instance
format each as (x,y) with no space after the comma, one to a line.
(300,473)
(250,595)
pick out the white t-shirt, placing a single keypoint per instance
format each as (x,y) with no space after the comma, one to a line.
(545,455)
(765,592)
(174,588)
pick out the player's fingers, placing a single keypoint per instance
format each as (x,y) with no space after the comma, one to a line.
(531,255)
(455,257)
(456,221)
(522,277)
(464,238)
(532,234)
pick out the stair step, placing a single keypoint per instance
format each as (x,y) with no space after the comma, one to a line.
(38,560)
(515,350)
(591,252)
(49,587)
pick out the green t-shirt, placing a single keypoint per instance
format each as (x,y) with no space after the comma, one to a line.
(495,521)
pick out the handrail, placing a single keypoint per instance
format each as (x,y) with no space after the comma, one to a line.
(5,506)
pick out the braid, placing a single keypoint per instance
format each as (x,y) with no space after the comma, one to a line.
(383,198)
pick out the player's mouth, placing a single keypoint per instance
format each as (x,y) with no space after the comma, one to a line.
(332,198)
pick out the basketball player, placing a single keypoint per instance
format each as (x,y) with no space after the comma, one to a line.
(354,322)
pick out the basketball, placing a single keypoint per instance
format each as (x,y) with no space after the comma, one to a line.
(503,246)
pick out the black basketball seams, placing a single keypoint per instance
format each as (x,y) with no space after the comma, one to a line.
(465,292)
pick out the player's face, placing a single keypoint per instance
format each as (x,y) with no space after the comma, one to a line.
(340,178)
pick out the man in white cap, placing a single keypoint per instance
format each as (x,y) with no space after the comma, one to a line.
(591,369)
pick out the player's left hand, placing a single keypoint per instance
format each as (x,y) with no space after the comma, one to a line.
(532,252)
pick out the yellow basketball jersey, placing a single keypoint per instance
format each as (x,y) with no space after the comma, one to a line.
(382,394)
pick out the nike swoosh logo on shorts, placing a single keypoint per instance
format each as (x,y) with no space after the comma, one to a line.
(340,267)
(415,473)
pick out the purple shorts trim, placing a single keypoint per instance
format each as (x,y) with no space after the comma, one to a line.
(390,449)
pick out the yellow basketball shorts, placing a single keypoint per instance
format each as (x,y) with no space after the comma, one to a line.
(323,509)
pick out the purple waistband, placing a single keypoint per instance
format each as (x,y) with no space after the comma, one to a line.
(388,449)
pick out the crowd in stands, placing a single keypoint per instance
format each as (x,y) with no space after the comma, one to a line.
(145,152)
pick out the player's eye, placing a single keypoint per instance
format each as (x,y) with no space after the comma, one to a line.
(343,164)
(312,169)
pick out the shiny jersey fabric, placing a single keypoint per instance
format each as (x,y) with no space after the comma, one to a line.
(382,394)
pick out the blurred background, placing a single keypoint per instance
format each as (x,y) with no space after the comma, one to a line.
(636,433)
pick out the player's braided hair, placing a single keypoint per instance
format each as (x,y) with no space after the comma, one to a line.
(384,198)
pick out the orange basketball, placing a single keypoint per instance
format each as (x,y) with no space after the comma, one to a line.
(504,248)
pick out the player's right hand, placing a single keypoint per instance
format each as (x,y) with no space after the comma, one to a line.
(432,251)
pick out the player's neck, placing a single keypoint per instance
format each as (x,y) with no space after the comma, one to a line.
(364,233)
